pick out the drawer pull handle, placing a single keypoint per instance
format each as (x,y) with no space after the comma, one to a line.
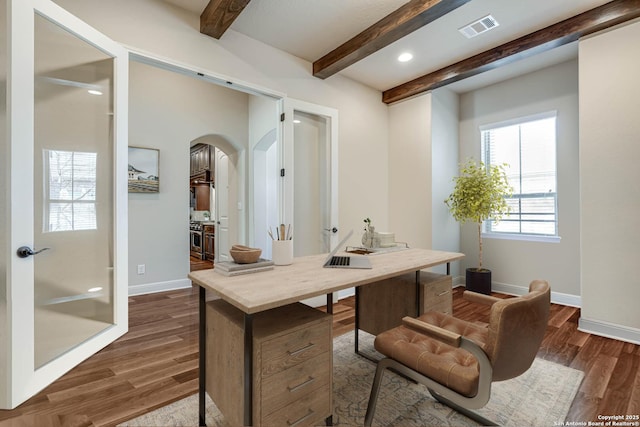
(303,349)
(298,421)
(299,386)
(443,293)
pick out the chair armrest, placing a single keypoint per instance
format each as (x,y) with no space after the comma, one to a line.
(440,334)
(479,298)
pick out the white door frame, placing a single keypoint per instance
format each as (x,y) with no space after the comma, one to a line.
(23,380)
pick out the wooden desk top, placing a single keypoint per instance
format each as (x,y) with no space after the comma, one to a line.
(306,278)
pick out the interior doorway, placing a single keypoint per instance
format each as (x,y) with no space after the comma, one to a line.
(310,188)
(209,213)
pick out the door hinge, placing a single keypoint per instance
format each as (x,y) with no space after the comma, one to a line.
(282,117)
(282,172)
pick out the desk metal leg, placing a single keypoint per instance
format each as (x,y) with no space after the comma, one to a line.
(330,303)
(417,293)
(357,320)
(202,337)
(248,370)
(448,269)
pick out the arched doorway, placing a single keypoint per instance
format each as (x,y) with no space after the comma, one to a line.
(214,186)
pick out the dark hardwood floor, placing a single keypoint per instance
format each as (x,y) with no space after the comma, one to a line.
(155,363)
(199,264)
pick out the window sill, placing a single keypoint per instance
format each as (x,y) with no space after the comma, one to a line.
(522,237)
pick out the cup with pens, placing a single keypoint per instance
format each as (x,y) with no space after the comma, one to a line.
(282,245)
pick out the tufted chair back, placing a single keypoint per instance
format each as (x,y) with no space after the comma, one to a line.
(516,329)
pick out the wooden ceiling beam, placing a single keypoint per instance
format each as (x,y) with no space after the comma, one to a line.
(218,16)
(567,31)
(408,18)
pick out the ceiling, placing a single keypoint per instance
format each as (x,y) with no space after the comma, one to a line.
(310,29)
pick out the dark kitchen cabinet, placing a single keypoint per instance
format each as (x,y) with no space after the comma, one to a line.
(209,240)
(202,199)
(202,156)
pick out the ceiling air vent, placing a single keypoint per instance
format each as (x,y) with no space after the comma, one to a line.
(478,27)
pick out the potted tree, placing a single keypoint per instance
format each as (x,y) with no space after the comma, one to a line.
(479,194)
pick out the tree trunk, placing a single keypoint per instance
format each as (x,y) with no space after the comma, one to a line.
(480,245)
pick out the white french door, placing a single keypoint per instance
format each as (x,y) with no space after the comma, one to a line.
(222,244)
(65,256)
(310,186)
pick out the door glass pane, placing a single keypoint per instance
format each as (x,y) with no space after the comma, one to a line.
(73,194)
(4,167)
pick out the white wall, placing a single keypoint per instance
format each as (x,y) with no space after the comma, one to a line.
(423,159)
(515,263)
(410,172)
(444,153)
(4,225)
(609,153)
(170,32)
(168,111)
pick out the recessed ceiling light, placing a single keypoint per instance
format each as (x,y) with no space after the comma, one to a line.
(296,121)
(94,92)
(405,57)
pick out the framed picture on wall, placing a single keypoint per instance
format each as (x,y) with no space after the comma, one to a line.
(144,173)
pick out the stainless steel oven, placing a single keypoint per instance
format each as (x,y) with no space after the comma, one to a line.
(197,240)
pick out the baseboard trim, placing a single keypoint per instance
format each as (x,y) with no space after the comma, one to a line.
(152,288)
(609,330)
(556,297)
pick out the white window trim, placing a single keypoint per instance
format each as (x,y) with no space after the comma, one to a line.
(519,120)
(522,237)
(518,236)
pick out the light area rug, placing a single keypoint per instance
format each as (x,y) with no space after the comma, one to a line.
(540,397)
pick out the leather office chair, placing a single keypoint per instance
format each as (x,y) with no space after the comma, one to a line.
(458,360)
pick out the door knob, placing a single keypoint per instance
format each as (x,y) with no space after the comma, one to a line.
(333,230)
(26,251)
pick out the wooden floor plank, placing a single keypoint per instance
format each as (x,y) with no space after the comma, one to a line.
(156,364)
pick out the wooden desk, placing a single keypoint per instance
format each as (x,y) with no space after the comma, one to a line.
(305,278)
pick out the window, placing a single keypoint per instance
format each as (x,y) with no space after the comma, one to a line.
(528,147)
(71,190)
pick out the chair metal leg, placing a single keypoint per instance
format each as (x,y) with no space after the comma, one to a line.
(467,412)
(398,368)
(375,388)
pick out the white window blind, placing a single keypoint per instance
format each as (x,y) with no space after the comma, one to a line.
(71,192)
(528,147)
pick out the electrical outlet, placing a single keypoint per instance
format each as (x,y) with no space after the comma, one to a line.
(141,268)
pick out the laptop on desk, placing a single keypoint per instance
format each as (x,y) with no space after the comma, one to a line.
(346,261)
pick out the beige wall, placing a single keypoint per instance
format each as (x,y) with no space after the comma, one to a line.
(444,166)
(170,32)
(515,263)
(423,159)
(167,111)
(609,153)
(410,172)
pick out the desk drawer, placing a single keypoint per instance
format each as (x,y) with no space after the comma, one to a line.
(281,389)
(309,410)
(436,293)
(294,348)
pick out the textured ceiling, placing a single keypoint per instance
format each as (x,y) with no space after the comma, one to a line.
(311,28)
